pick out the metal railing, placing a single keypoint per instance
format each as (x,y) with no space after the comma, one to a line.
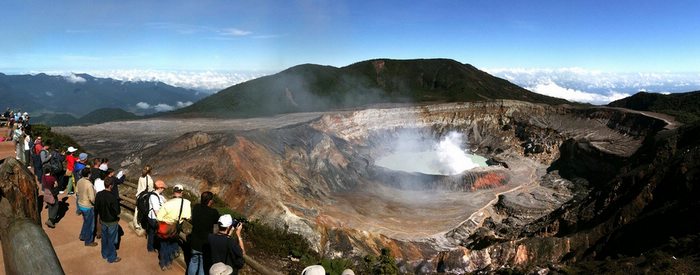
(130,204)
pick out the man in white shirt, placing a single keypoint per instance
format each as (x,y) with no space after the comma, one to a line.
(154,204)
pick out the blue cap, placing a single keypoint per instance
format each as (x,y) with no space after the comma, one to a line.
(82,156)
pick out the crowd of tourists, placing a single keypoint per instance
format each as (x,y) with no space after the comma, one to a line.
(215,240)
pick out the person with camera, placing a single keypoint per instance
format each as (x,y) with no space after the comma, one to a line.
(224,247)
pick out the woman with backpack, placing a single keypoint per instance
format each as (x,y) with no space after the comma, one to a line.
(145,184)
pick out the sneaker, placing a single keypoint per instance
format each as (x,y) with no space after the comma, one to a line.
(50,224)
(71,193)
(61,192)
(116,260)
(93,244)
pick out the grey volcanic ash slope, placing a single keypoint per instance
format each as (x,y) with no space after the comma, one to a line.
(549,200)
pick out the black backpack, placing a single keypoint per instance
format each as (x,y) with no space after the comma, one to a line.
(56,162)
(48,165)
(144,207)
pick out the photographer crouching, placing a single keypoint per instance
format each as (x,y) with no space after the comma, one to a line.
(226,248)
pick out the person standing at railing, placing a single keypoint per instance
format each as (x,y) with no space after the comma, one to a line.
(154,204)
(173,213)
(145,184)
(108,209)
(85,193)
(223,247)
(204,222)
(70,167)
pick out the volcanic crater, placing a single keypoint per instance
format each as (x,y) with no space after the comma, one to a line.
(316,173)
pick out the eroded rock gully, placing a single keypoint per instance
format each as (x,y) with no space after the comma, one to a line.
(315,174)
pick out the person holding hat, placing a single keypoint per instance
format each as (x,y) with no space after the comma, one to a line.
(173,212)
(225,248)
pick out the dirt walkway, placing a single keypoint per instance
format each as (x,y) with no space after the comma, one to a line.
(79,259)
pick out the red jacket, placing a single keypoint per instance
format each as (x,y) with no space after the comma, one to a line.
(37,148)
(70,162)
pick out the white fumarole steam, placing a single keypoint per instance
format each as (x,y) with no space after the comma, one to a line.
(452,158)
(445,157)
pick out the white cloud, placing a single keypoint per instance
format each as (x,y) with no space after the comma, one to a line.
(143,105)
(162,107)
(198,80)
(181,104)
(554,90)
(595,86)
(72,78)
(234,32)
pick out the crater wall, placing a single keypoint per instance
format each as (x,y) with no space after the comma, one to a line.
(316,176)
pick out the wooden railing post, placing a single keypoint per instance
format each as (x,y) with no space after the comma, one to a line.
(26,247)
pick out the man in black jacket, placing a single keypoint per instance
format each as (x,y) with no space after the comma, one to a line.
(204,222)
(107,206)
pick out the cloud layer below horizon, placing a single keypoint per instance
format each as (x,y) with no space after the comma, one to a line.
(596,87)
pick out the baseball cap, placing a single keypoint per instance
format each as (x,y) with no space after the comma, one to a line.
(103,167)
(225,220)
(72,149)
(82,156)
(178,188)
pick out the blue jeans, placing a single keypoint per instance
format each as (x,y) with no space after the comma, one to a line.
(110,233)
(151,234)
(86,233)
(168,248)
(196,266)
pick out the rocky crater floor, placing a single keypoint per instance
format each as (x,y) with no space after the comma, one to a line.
(315,174)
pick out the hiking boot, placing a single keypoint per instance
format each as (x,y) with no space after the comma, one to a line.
(91,244)
(50,224)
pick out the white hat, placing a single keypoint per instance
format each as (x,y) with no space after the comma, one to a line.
(225,220)
(103,167)
(178,188)
(220,269)
(314,270)
(72,149)
(348,272)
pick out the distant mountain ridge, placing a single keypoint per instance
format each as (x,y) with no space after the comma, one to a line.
(79,94)
(310,87)
(95,117)
(684,106)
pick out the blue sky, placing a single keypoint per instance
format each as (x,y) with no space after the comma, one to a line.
(611,36)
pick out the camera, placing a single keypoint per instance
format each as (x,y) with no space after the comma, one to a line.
(235,223)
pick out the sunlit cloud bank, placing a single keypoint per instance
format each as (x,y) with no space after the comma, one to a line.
(597,87)
(162,107)
(208,81)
